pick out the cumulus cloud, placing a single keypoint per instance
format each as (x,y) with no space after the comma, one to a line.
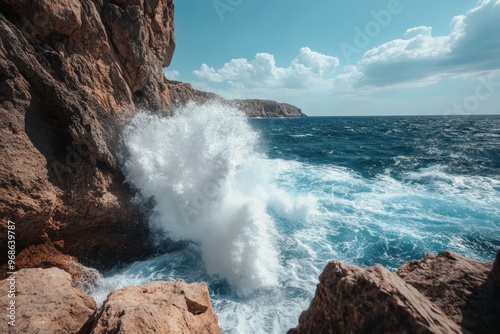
(418,58)
(473,46)
(309,68)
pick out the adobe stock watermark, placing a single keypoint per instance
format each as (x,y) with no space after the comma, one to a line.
(363,36)
(11,267)
(471,103)
(221,7)
(204,196)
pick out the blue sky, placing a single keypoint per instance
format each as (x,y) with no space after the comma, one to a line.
(357,57)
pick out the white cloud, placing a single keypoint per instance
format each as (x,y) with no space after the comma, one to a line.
(472,47)
(171,75)
(308,69)
(417,59)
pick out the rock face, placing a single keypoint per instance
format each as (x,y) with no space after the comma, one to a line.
(158,307)
(46,303)
(443,293)
(496,271)
(68,70)
(45,254)
(373,300)
(461,287)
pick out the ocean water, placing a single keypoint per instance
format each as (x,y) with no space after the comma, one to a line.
(264,204)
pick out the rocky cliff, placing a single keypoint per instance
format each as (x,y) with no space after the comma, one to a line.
(69,72)
(443,293)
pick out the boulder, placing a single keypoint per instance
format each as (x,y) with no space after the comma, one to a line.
(46,302)
(462,288)
(349,299)
(158,307)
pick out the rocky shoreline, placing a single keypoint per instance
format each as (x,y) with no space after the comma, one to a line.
(70,73)
(443,293)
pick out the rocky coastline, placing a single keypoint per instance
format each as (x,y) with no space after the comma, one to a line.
(70,73)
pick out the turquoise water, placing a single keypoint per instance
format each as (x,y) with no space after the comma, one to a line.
(264,204)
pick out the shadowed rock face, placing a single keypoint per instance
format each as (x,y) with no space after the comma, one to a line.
(461,287)
(158,307)
(496,271)
(68,71)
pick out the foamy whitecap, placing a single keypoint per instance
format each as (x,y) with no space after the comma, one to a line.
(210,185)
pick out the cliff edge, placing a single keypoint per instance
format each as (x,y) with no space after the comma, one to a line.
(69,72)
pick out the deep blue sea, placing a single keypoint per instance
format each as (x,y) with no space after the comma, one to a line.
(266,203)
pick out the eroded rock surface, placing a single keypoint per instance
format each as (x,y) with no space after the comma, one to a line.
(158,307)
(69,70)
(349,299)
(461,287)
(46,303)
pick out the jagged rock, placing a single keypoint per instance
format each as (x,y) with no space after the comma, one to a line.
(459,286)
(349,299)
(158,307)
(68,71)
(46,303)
(44,254)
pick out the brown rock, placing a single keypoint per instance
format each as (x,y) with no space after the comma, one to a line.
(266,108)
(459,286)
(349,299)
(46,303)
(68,71)
(44,254)
(158,307)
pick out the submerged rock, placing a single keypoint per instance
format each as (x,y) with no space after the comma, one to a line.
(46,303)
(158,307)
(349,299)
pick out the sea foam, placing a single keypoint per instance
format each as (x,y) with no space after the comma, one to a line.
(210,185)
